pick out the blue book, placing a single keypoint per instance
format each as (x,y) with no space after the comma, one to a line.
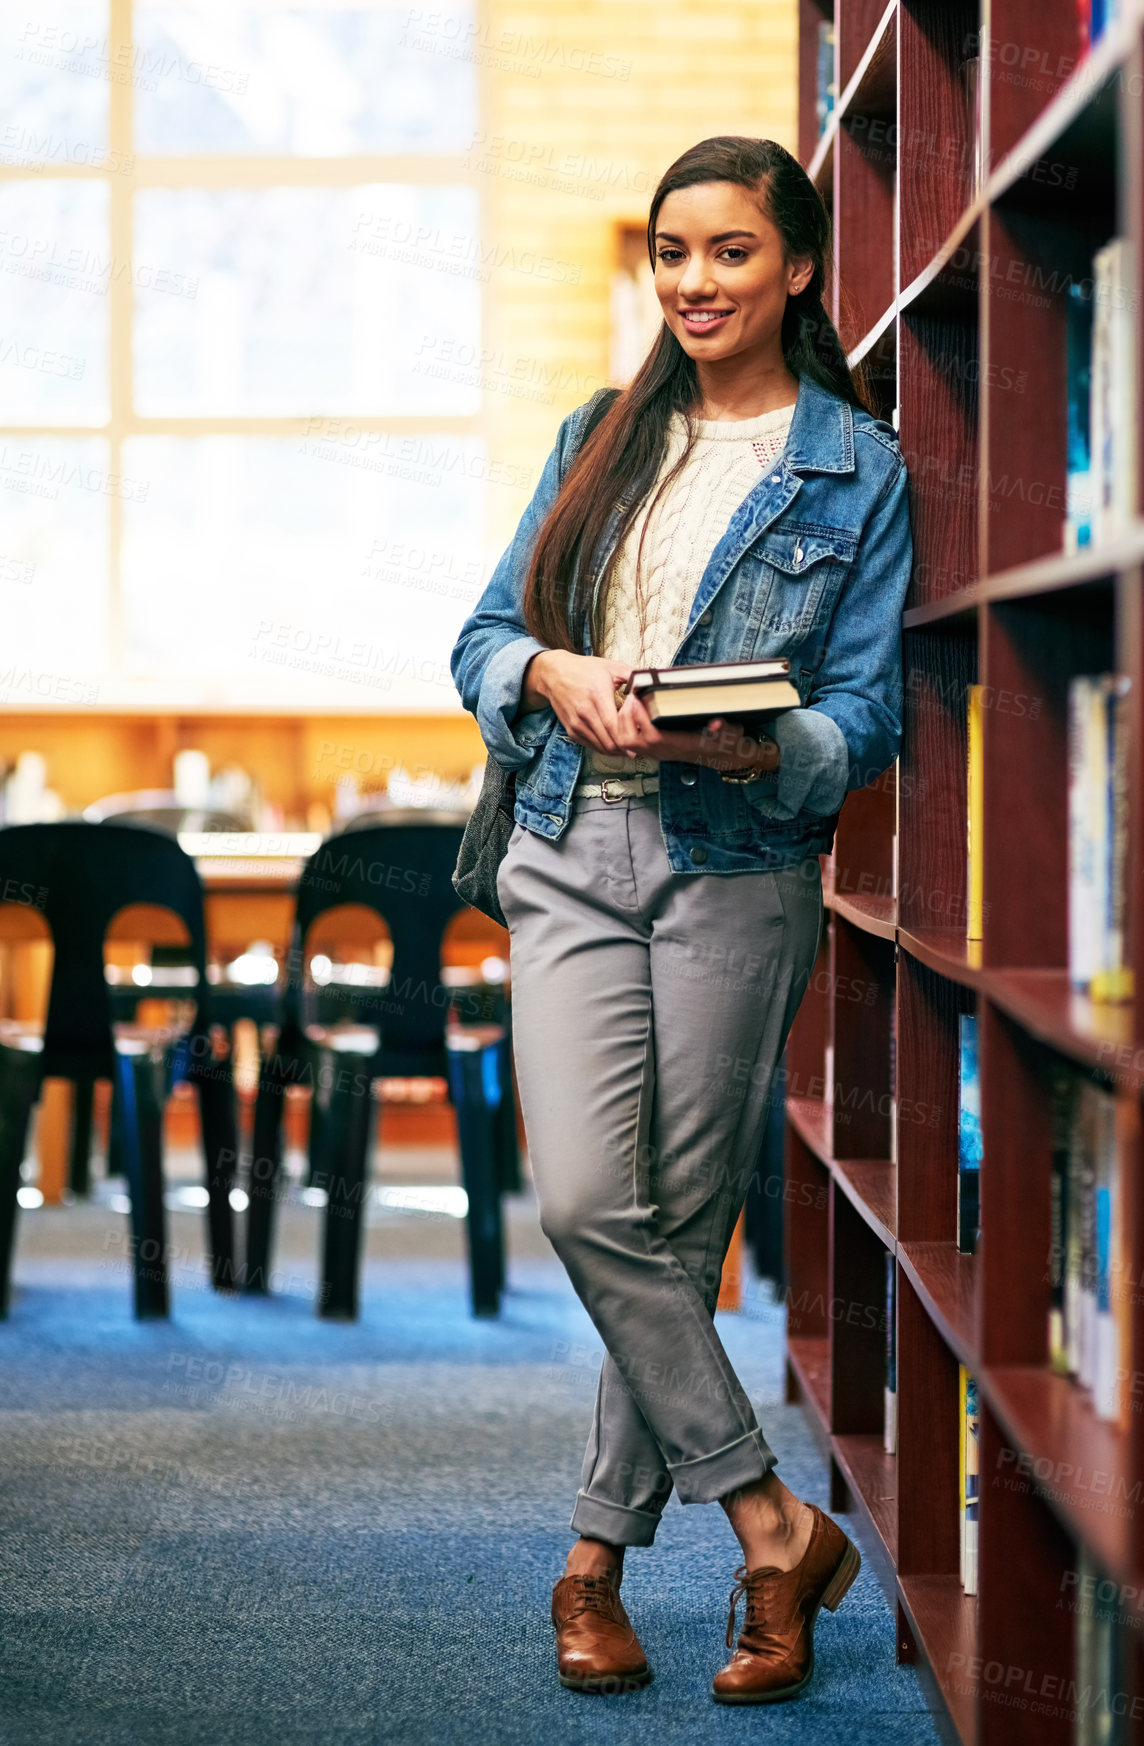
(1078,391)
(968,1137)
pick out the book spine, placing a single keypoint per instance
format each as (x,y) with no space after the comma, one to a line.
(1106,1234)
(1083,899)
(972,1487)
(1089,1131)
(824,75)
(962,1398)
(975,817)
(1062,1095)
(1073,1232)
(1112,978)
(1078,392)
(968,1136)
(890,1390)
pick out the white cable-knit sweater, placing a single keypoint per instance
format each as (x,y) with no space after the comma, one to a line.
(680,525)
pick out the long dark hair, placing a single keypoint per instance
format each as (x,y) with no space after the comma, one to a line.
(619,461)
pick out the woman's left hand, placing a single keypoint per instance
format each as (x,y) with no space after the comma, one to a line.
(722,745)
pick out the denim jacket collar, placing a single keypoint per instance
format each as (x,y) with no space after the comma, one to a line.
(821,435)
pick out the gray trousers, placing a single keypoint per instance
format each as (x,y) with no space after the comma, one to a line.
(649,1011)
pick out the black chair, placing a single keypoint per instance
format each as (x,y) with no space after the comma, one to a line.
(79,875)
(413,1026)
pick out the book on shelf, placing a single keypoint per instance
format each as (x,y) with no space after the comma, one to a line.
(975,816)
(968,1135)
(1078,393)
(1098,738)
(825,88)
(1094,18)
(969,1474)
(890,1386)
(686,697)
(1063,1093)
(893,1082)
(974,128)
(1087,1187)
(1112,391)
(1099,1671)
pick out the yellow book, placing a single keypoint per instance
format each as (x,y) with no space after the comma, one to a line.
(975,817)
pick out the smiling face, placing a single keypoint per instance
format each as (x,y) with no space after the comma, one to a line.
(720,275)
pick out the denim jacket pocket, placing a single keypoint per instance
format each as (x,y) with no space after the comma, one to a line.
(807,567)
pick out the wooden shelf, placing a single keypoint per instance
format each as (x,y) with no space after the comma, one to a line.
(809,1358)
(872,1478)
(1080,1464)
(1093,564)
(953,294)
(1044,1003)
(871,1186)
(943,1619)
(872,85)
(811,1120)
(946,1282)
(946,951)
(874,915)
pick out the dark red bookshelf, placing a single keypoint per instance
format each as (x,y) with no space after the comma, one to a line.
(958,222)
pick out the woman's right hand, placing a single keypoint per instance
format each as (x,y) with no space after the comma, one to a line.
(582,691)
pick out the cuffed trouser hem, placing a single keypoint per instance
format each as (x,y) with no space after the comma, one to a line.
(708,1477)
(616,1523)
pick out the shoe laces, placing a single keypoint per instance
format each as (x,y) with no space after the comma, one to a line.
(755,1586)
(594,1594)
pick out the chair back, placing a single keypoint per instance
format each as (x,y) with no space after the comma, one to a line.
(79,875)
(401,867)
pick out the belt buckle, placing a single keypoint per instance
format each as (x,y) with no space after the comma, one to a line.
(612,797)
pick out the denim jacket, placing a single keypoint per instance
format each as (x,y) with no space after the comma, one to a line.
(813,565)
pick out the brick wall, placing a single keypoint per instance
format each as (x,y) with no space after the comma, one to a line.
(586,103)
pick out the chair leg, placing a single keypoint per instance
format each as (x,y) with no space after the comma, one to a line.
(141,1129)
(116,1157)
(349,1130)
(218,1115)
(477,1117)
(265,1170)
(17,1096)
(79,1164)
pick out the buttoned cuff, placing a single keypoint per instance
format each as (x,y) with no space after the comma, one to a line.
(814,771)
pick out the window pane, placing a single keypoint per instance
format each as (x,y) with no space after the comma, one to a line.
(321,81)
(53,567)
(291,304)
(54,277)
(53,82)
(302,572)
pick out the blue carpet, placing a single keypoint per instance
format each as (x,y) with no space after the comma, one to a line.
(249,1526)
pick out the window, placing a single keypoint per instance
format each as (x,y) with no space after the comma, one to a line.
(242,449)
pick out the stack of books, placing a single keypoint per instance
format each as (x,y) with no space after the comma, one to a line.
(1098,835)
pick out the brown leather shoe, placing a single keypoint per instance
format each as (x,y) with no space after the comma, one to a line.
(596,1647)
(774,1659)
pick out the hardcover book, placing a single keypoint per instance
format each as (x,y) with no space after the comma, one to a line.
(687,697)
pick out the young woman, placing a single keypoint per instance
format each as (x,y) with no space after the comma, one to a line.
(662,889)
